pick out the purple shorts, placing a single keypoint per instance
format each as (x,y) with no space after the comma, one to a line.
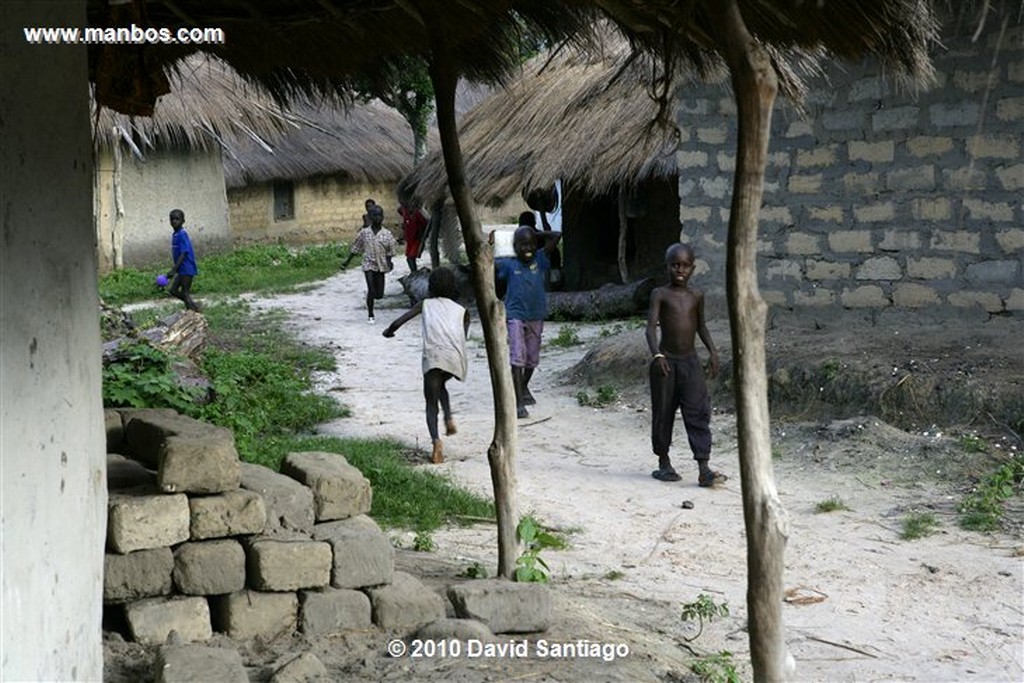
(524,342)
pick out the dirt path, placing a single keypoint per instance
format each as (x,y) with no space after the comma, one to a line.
(867,605)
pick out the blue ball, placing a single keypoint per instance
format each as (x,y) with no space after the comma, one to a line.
(161,280)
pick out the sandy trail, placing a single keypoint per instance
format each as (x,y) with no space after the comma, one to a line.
(949,607)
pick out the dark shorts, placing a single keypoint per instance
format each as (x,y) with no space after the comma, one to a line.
(524,342)
(374,283)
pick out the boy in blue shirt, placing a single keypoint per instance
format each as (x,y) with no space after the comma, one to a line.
(526,302)
(184,258)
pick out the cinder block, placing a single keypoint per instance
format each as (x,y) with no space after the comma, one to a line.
(989,301)
(405,603)
(874,213)
(803,243)
(825,155)
(994,146)
(248,614)
(1010,109)
(879,268)
(141,574)
(926,145)
(363,554)
(190,456)
(874,152)
(209,567)
(325,611)
(1011,241)
(151,620)
(979,210)
(1011,177)
(275,565)
(826,270)
(190,663)
(913,295)
(139,520)
(289,504)
(339,489)
(959,240)
(227,514)
(850,241)
(944,115)
(931,268)
(867,296)
(504,606)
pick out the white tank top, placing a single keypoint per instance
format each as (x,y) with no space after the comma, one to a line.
(444,336)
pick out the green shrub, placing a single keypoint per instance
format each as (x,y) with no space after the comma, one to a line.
(142,376)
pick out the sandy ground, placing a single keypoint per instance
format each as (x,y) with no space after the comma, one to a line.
(866,605)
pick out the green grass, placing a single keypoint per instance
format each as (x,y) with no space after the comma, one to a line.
(605,396)
(259,268)
(262,389)
(918,525)
(983,508)
(568,335)
(830,504)
(716,668)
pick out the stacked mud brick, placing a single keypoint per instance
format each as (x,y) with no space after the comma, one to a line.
(198,541)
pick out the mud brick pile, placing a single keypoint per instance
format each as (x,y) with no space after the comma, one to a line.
(199,542)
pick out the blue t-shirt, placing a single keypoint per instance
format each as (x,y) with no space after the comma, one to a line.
(525,298)
(181,244)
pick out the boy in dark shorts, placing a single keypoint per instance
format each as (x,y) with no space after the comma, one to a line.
(677,379)
(377,245)
(523,281)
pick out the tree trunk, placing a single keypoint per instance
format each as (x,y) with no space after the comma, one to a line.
(754,86)
(502,452)
(607,301)
(623,228)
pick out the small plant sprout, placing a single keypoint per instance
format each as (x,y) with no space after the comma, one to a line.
(703,609)
(530,566)
(475,571)
(605,396)
(568,335)
(716,668)
(831,504)
(423,543)
(918,525)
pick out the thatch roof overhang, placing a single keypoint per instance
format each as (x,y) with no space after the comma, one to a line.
(593,122)
(368,143)
(326,43)
(209,106)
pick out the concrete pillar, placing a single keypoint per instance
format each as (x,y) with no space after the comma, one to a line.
(52,464)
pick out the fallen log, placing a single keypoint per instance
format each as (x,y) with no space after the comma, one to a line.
(603,303)
(416,286)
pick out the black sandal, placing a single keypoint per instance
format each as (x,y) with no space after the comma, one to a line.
(711,478)
(666,474)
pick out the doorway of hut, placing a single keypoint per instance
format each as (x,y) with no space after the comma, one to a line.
(591,227)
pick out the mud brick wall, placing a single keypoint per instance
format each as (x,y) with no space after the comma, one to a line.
(198,541)
(879,198)
(327,209)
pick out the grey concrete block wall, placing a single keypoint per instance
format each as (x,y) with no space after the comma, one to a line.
(880,198)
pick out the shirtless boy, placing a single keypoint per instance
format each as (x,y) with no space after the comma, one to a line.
(677,379)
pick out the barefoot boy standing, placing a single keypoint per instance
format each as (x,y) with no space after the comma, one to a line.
(677,379)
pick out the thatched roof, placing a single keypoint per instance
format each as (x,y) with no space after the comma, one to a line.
(590,121)
(209,106)
(327,43)
(365,143)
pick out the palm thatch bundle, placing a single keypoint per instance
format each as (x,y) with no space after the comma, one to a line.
(362,142)
(590,120)
(209,105)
